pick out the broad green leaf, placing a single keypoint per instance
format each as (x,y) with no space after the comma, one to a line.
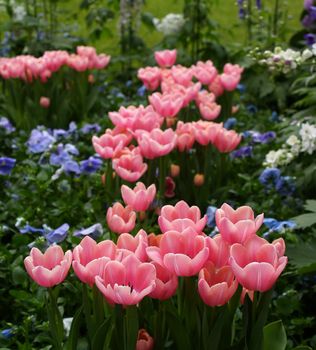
(303,257)
(310,205)
(305,220)
(274,336)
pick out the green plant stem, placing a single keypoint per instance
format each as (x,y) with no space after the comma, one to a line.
(55,320)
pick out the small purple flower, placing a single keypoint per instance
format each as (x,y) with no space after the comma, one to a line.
(71,166)
(90,165)
(141,91)
(7,333)
(230,123)
(6,165)
(6,124)
(210,213)
(90,128)
(241,88)
(252,109)
(63,154)
(58,235)
(269,177)
(263,138)
(242,152)
(308,4)
(72,128)
(40,141)
(59,133)
(93,231)
(259,4)
(277,226)
(310,39)
(285,185)
(30,229)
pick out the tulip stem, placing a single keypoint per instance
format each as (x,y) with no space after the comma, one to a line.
(55,320)
(87,310)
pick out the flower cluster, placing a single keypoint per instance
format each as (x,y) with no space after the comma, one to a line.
(151,127)
(29,68)
(271,179)
(294,145)
(171,24)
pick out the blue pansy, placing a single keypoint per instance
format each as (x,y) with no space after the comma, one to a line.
(278,226)
(58,235)
(263,138)
(71,166)
(252,109)
(6,165)
(269,177)
(242,152)
(285,185)
(90,128)
(210,213)
(7,333)
(93,231)
(30,229)
(40,141)
(90,165)
(230,123)
(6,124)
(141,91)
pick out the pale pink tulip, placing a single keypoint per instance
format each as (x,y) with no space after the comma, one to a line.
(126,282)
(205,97)
(137,244)
(180,217)
(147,119)
(183,254)
(50,268)
(237,226)
(120,219)
(210,111)
(166,283)
(129,167)
(185,136)
(166,58)
(205,132)
(167,105)
(144,340)
(124,118)
(257,264)
(219,251)
(205,72)
(150,76)
(226,140)
(231,76)
(139,198)
(182,75)
(90,258)
(156,143)
(216,86)
(216,286)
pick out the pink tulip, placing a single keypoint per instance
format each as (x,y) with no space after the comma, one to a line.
(125,117)
(144,341)
(150,76)
(50,268)
(216,86)
(231,76)
(216,286)
(166,58)
(180,217)
(126,282)
(101,61)
(256,264)
(226,140)
(78,63)
(129,167)
(156,143)
(205,132)
(182,75)
(147,119)
(44,102)
(183,254)
(237,226)
(185,136)
(90,258)
(205,72)
(120,219)
(205,97)
(86,51)
(166,283)
(210,111)
(167,105)
(219,251)
(137,244)
(140,198)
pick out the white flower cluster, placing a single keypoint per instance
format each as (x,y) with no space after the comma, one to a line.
(169,25)
(19,11)
(293,146)
(283,60)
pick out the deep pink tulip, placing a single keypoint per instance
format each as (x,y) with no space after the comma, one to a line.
(226,140)
(167,105)
(137,244)
(210,111)
(144,340)
(216,286)
(44,102)
(166,58)
(183,254)
(180,217)
(219,250)
(237,226)
(120,219)
(50,268)
(205,72)
(90,258)
(150,76)
(166,283)
(129,167)
(185,136)
(257,264)
(139,198)
(126,282)
(170,187)
(156,143)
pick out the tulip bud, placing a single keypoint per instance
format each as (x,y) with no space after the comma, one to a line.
(142,215)
(44,102)
(174,170)
(235,109)
(198,180)
(170,121)
(91,79)
(103,179)
(144,340)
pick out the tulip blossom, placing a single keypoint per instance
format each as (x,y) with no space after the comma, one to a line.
(137,244)
(205,72)
(183,254)
(90,258)
(156,143)
(146,119)
(226,140)
(129,167)
(219,251)
(120,219)
(216,286)
(205,132)
(237,226)
(180,217)
(126,282)
(182,75)
(210,111)
(124,117)
(166,58)
(167,104)
(166,283)
(150,76)
(144,341)
(185,136)
(139,198)
(216,86)
(257,264)
(231,76)
(50,268)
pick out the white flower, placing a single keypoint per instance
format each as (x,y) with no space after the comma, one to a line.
(308,135)
(306,54)
(295,144)
(170,24)
(277,158)
(19,12)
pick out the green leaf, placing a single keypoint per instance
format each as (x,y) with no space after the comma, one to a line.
(303,257)
(101,335)
(302,347)
(310,205)
(274,336)
(305,220)
(72,343)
